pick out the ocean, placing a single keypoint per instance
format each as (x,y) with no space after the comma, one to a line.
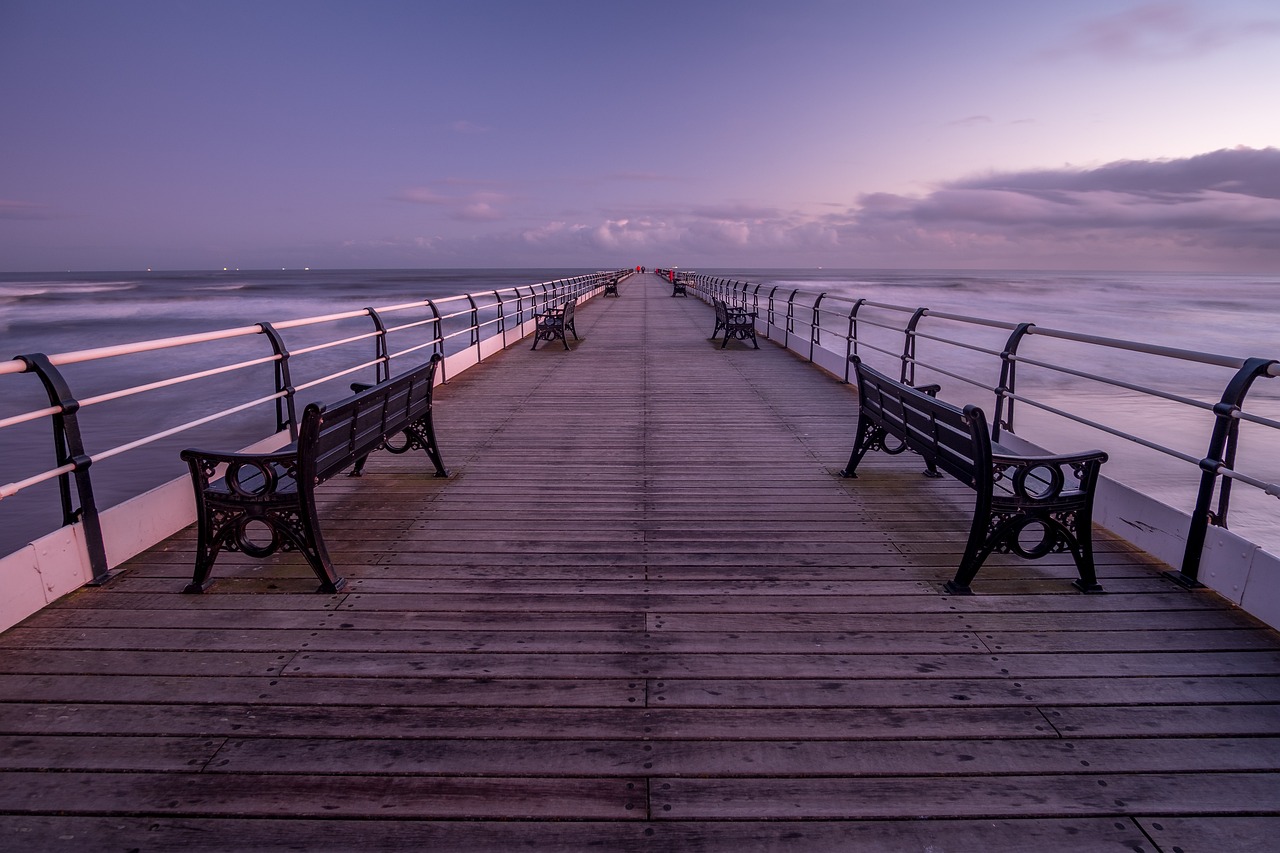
(1228,314)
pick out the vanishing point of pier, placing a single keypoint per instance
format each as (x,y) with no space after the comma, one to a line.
(644,613)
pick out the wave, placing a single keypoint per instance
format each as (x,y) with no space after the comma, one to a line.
(14,290)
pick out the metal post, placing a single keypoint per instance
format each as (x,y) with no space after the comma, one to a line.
(1221,454)
(1003,418)
(286,414)
(909,348)
(791,319)
(475,326)
(68,449)
(381,370)
(815,328)
(851,340)
(502,320)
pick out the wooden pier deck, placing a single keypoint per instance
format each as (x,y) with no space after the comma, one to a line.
(644,614)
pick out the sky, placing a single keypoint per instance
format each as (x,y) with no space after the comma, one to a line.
(978,134)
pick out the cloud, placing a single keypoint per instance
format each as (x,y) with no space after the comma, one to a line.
(641,177)
(11,209)
(459,200)
(1215,211)
(1158,32)
(1212,204)
(1250,171)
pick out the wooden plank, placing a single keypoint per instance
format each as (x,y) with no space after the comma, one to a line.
(1007,796)
(320,796)
(532,692)
(1204,833)
(754,758)
(56,752)
(1166,720)
(157,833)
(561,723)
(511,641)
(916,692)
(164,834)
(655,664)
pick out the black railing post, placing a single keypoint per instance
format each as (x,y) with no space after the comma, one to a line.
(381,370)
(1003,418)
(791,319)
(286,414)
(475,325)
(909,348)
(1221,454)
(851,340)
(68,446)
(502,319)
(815,329)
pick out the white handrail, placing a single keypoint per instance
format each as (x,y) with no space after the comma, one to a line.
(467,304)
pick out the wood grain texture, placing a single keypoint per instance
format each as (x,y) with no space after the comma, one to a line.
(643,614)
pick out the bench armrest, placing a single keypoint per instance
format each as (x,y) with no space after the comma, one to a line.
(245,471)
(1046,478)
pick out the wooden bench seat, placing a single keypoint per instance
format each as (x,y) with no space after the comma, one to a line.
(265,502)
(1026,505)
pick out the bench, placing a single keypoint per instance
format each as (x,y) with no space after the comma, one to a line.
(678,286)
(611,287)
(553,324)
(737,323)
(1027,505)
(265,502)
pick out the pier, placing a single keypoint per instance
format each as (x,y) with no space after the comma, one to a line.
(644,613)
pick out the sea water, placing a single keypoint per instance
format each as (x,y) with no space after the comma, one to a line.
(1227,314)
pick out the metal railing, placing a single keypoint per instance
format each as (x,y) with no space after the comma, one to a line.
(813,322)
(447,326)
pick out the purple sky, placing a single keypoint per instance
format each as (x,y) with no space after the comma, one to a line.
(498,133)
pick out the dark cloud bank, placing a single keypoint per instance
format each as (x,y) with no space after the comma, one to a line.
(1218,211)
(1223,207)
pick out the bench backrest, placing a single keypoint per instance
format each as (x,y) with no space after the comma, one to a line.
(568,311)
(955,440)
(332,437)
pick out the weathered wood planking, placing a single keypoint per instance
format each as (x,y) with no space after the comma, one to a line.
(644,614)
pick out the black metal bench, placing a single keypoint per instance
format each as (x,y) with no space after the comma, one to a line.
(611,287)
(1027,505)
(265,502)
(554,323)
(678,286)
(737,323)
